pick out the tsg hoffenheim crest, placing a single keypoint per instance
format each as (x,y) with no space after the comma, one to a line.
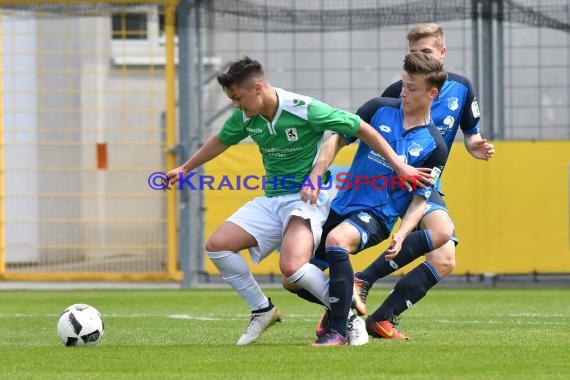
(452,103)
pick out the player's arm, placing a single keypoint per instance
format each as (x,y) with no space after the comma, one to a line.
(232,132)
(478,147)
(325,158)
(211,149)
(410,220)
(470,125)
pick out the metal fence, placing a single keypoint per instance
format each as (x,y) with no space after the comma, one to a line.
(85,92)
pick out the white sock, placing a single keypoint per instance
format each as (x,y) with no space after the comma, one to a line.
(234,271)
(313,280)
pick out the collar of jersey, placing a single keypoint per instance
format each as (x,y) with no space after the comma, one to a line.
(427,125)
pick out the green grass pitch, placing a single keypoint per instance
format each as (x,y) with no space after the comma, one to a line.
(191,334)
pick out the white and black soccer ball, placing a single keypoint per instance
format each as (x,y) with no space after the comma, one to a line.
(80,325)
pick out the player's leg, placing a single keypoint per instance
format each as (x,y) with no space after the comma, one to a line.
(408,291)
(418,243)
(319,259)
(343,239)
(359,231)
(302,229)
(412,287)
(294,261)
(437,229)
(242,230)
(441,259)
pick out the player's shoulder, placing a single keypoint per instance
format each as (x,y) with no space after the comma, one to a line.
(394,90)
(437,138)
(454,78)
(382,101)
(294,103)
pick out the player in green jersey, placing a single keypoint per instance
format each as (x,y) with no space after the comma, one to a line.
(288,129)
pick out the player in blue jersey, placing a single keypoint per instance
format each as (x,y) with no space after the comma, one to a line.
(456,106)
(363,216)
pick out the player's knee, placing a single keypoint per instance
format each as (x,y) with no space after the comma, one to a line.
(290,266)
(288,285)
(214,245)
(336,240)
(440,234)
(443,260)
(440,227)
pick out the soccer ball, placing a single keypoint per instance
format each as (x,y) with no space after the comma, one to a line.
(80,325)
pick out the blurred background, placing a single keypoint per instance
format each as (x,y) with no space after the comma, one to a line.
(96,96)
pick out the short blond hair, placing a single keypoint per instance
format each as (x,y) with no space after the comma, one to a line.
(427,30)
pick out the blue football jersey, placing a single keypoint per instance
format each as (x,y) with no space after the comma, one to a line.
(421,146)
(455,106)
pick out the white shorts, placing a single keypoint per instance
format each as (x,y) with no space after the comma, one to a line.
(266,218)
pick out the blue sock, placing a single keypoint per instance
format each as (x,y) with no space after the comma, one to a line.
(341,278)
(416,244)
(408,290)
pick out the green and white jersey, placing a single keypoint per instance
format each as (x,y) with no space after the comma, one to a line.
(289,144)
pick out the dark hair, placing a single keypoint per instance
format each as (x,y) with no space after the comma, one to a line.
(239,71)
(425,64)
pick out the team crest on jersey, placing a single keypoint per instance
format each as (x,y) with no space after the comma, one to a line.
(415,149)
(452,103)
(365,217)
(291,134)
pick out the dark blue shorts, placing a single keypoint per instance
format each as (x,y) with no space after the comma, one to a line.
(372,232)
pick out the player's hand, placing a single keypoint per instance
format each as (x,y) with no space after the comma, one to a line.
(482,150)
(395,246)
(172,177)
(310,192)
(416,177)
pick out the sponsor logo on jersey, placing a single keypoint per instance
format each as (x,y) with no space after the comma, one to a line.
(254,130)
(452,103)
(365,217)
(415,149)
(298,102)
(385,128)
(475,109)
(449,121)
(291,134)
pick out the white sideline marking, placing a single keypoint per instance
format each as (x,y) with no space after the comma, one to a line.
(495,322)
(536,315)
(236,317)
